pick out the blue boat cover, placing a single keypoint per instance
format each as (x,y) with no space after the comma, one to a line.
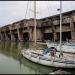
(69,44)
(45,50)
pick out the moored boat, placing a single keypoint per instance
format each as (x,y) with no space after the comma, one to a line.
(46,59)
(66,47)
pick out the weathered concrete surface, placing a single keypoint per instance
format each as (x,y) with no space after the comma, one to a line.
(25,28)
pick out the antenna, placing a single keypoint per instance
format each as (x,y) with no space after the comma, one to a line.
(60,24)
(35,21)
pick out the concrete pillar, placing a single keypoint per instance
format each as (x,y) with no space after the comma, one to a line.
(6,36)
(54,33)
(72,29)
(12,36)
(20,34)
(39,35)
(30,34)
(1,36)
(73,35)
(33,35)
(55,36)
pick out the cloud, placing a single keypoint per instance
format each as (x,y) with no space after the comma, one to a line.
(11,11)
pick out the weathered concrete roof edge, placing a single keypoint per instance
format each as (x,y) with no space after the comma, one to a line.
(64,13)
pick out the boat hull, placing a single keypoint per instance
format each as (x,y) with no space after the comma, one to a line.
(48,62)
(68,49)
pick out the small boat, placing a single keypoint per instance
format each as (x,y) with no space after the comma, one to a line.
(66,47)
(69,47)
(40,58)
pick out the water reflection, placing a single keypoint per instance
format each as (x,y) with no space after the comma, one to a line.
(12,62)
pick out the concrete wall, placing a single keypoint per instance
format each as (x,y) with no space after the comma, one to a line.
(45,25)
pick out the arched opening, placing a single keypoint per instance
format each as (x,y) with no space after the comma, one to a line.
(47,36)
(25,36)
(66,35)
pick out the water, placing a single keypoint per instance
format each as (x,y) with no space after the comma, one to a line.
(12,62)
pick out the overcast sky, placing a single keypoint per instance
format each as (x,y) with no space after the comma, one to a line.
(12,11)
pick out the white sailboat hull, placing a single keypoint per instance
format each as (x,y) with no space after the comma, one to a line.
(69,49)
(45,62)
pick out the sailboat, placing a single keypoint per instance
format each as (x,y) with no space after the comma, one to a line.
(66,47)
(48,59)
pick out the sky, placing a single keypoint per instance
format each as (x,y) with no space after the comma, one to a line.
(12,11)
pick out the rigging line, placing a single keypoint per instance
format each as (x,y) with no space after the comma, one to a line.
(26,9)
(26,12)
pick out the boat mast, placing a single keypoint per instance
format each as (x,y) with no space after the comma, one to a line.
(35,21)
(60,24)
